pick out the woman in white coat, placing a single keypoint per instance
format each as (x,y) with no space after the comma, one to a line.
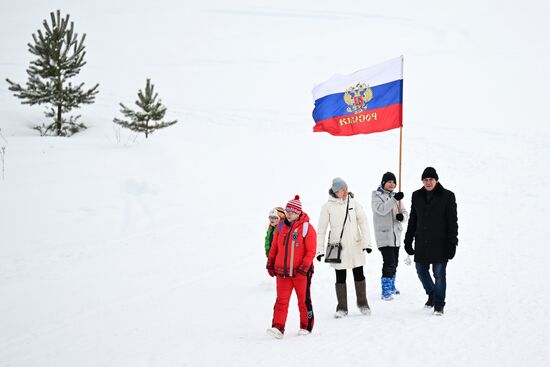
(354,239)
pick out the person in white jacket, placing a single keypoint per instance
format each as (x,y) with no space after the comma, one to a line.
(355,238)
(387,218)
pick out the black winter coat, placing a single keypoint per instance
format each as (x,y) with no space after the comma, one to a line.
(433,225)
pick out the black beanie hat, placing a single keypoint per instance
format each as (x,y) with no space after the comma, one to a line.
(388,176)
(430,172)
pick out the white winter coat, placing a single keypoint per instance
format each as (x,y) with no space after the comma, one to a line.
(387,229)
(356,235)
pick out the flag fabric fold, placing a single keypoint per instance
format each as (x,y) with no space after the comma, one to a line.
(367,101)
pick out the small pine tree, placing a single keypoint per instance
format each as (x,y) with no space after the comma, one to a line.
(147,120)
(60,57)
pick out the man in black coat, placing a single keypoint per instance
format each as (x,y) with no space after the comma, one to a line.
(433,225)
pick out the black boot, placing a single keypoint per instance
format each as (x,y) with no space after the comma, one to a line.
(361,293)
(429,303)
(342,297)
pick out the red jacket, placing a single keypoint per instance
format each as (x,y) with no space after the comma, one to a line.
(291,252)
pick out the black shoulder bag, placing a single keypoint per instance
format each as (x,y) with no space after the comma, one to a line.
(334,250)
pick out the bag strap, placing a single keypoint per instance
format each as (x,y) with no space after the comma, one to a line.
(345,219)
(279,227)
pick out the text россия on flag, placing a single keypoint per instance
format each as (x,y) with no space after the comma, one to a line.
(367,101)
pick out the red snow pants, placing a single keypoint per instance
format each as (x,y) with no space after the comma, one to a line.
(301,284)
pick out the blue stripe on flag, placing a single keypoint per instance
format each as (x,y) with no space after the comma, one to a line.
(334,105)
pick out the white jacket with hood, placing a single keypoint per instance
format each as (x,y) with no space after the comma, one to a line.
(356,236)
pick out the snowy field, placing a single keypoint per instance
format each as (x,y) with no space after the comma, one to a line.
(121,251)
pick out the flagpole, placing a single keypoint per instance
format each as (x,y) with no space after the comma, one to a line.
(400,141)
(400,163)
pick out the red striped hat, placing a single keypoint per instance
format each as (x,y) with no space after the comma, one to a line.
(294,205)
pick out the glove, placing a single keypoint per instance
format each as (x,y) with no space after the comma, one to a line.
(271,272)
(319,257)
(399,217)
(369,250)
(398,196)
(452,251)
(409,248)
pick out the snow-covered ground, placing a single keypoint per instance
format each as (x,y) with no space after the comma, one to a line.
(117,251)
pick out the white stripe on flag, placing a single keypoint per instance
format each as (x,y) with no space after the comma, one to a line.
(382,73)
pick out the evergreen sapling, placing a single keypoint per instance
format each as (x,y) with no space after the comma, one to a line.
(60,56)
(149,117)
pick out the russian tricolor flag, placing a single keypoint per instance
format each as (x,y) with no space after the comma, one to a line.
(367,101)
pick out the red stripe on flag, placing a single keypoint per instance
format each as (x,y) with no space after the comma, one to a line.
(366,122)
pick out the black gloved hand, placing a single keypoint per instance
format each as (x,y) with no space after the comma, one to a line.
(399,195)
(452,251)
(409,248)
(319,257)
(399,217)
(369,250)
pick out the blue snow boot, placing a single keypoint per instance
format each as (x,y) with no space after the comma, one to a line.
(387,294)
(393,289)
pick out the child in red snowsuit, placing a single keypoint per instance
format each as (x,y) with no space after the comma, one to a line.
(291,261)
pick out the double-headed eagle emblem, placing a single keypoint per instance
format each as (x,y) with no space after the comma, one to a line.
(357,97)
